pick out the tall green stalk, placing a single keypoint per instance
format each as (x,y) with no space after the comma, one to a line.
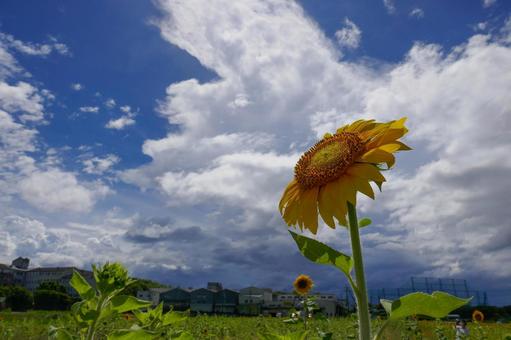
(364,322)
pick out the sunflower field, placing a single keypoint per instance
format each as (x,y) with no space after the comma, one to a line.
(35,326)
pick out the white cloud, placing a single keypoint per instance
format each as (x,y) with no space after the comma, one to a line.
(389,6)
(90,109)
(77,86)
(125,108)
(100,165)
(349,36)
(489,3)
(123,121)
(22,98)
(417,13)
(56,190)
(34,48)
(271,53)
(110,103)
(120,123)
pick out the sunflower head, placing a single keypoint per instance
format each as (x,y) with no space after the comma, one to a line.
(478,316)
(303,284)
(331,172)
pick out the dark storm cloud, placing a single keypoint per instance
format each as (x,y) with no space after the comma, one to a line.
(160,229)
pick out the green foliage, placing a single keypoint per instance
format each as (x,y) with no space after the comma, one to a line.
(141,284)
(51,300)
(436,305)
(153,324)
(101,305)
(52,285)
(33,325)
(364,222)
(19,299)
(110,278)
(322,254)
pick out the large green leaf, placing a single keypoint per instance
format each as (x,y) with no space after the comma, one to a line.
(131,334)
(172,318)
(321,253)
(81,285)
(436,305)
(126,303)
(59,333)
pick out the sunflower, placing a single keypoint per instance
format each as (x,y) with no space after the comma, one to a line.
(331,172)
(303,284)
(478,316)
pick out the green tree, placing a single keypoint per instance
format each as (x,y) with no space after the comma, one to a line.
(141,284)
(51,300)
(52,285)
(19,299)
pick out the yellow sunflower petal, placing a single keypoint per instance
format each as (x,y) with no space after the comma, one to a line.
(336,203)
(309,209)
(395,146)
(291,188)
(291,212)
(385,137)
(354,126)
(367,171)
(364,187)
(325,207)
(377,156)
(399,124)
(346,189)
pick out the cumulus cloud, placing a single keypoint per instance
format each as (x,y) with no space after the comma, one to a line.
(125,120)
(349,36)
(77,86)
(22,98)
(271,53)
(90,109)
(389,6)
(99,165)
(417,13)
(110,103)
(489,3)
(36,49)
(57,190)
(120,123)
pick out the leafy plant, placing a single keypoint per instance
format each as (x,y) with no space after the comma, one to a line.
(154,324)
(103,304)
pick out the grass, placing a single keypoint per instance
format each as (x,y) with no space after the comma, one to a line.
(33,325)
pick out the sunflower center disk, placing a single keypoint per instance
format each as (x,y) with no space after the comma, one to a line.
(328,159)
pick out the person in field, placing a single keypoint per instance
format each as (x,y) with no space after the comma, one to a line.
(462,331)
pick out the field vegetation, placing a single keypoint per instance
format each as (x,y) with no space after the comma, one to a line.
(34,325)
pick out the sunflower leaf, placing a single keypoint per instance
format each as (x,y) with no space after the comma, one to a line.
(364,222)
(321,253)
(436,305)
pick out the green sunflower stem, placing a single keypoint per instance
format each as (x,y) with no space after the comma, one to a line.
(364,321)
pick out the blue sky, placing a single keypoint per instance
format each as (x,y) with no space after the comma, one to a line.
(161,134)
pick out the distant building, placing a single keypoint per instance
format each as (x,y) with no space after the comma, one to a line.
(153,295)
(252,299)
(226,301)
(215,286)
(11,276)
(177,298)
(202,300)
(329,304)
(19,274)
